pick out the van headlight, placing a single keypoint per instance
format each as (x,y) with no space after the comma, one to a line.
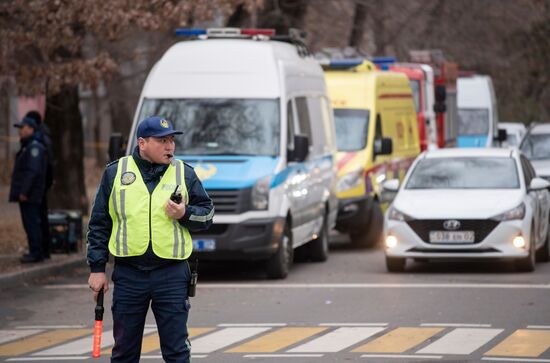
(396,215)
(350,180)
(514,213)
(260,193)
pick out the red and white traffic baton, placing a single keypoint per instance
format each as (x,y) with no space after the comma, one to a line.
(98,326)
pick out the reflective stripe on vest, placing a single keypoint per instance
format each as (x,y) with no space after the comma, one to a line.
(139,217)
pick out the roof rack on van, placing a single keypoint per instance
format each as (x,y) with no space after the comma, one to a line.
(294,36)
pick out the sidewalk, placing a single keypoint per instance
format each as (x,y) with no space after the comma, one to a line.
(14,274)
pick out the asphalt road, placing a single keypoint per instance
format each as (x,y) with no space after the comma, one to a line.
(346,309)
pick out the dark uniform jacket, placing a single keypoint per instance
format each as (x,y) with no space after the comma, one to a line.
(29,172)
(100,225)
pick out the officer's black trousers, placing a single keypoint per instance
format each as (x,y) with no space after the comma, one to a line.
(30,214)
(165,288)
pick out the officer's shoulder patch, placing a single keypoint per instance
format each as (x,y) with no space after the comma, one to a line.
(128,178)
(35,152)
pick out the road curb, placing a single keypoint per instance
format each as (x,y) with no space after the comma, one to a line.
(27,276)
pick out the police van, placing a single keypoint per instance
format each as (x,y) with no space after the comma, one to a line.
(258,130)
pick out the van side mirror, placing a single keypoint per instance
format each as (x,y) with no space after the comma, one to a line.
(502,135)
(440,97)
(301,149)
(383,146)
(116,146)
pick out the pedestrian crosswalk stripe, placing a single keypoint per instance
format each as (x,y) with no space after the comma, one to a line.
(398,340)
(224,338)
(83,345)
(40,341)
(10,335)
(151,342)
(277,340)
(523,343)
(337,340)
(461,341)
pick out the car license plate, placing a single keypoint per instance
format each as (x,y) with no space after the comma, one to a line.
(202,245)
(452,237)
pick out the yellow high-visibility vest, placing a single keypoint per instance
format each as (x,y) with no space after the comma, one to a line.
(139,217)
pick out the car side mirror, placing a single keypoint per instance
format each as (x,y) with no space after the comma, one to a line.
(539,184)
(301,148)
(116,146)
(501,136)
(383,146)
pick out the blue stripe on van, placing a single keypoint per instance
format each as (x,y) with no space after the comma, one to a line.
(471,141)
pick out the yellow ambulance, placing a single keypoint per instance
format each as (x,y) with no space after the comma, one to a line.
(377,140)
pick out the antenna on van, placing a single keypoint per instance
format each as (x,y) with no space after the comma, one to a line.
(297,38)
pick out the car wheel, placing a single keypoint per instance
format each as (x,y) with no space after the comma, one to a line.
(527,264)
(318,248)
(395,264)
(372,235)
(543,255)
(278,265)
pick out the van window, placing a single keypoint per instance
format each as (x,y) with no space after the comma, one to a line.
(318,131)
(220,126)
(415,87)
(290,125)
(352,127)
(303,116)
(473,121)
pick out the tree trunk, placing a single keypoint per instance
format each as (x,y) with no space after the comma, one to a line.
(65,122)
(358,29)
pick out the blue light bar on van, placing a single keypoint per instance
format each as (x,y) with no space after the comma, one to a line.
(383,62)
(190,32)
(345,63)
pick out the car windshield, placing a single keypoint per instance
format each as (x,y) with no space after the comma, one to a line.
(465,173)
(536,146)
(220,126)
(473,121)
(352,127)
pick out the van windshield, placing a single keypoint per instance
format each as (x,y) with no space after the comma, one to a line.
(536,146)
(352,128)
(220,126)
(473,121)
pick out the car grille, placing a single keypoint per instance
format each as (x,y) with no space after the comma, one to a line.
(230,201)
(481,227)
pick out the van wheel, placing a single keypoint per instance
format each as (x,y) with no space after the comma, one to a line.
(372,235)
(278,265)
(395,264)
(527,264)
(318,248)
(543,255)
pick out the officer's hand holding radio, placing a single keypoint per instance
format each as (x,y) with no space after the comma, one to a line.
(175,208)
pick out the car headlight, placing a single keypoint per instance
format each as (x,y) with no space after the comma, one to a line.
(514,213)
(350,180)
(260,193)
(396,215)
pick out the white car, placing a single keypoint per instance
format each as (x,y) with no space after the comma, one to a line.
(514,132)
(536,147)
(468,204)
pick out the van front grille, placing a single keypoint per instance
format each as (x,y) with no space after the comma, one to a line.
(230,201)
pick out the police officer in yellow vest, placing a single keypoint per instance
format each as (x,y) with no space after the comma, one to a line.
(134,219)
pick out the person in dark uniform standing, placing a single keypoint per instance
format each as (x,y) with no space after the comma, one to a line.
(28,183)
(43,135)
(135,220)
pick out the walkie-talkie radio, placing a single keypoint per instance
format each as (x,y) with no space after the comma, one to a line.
(176,196)
(193,282)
